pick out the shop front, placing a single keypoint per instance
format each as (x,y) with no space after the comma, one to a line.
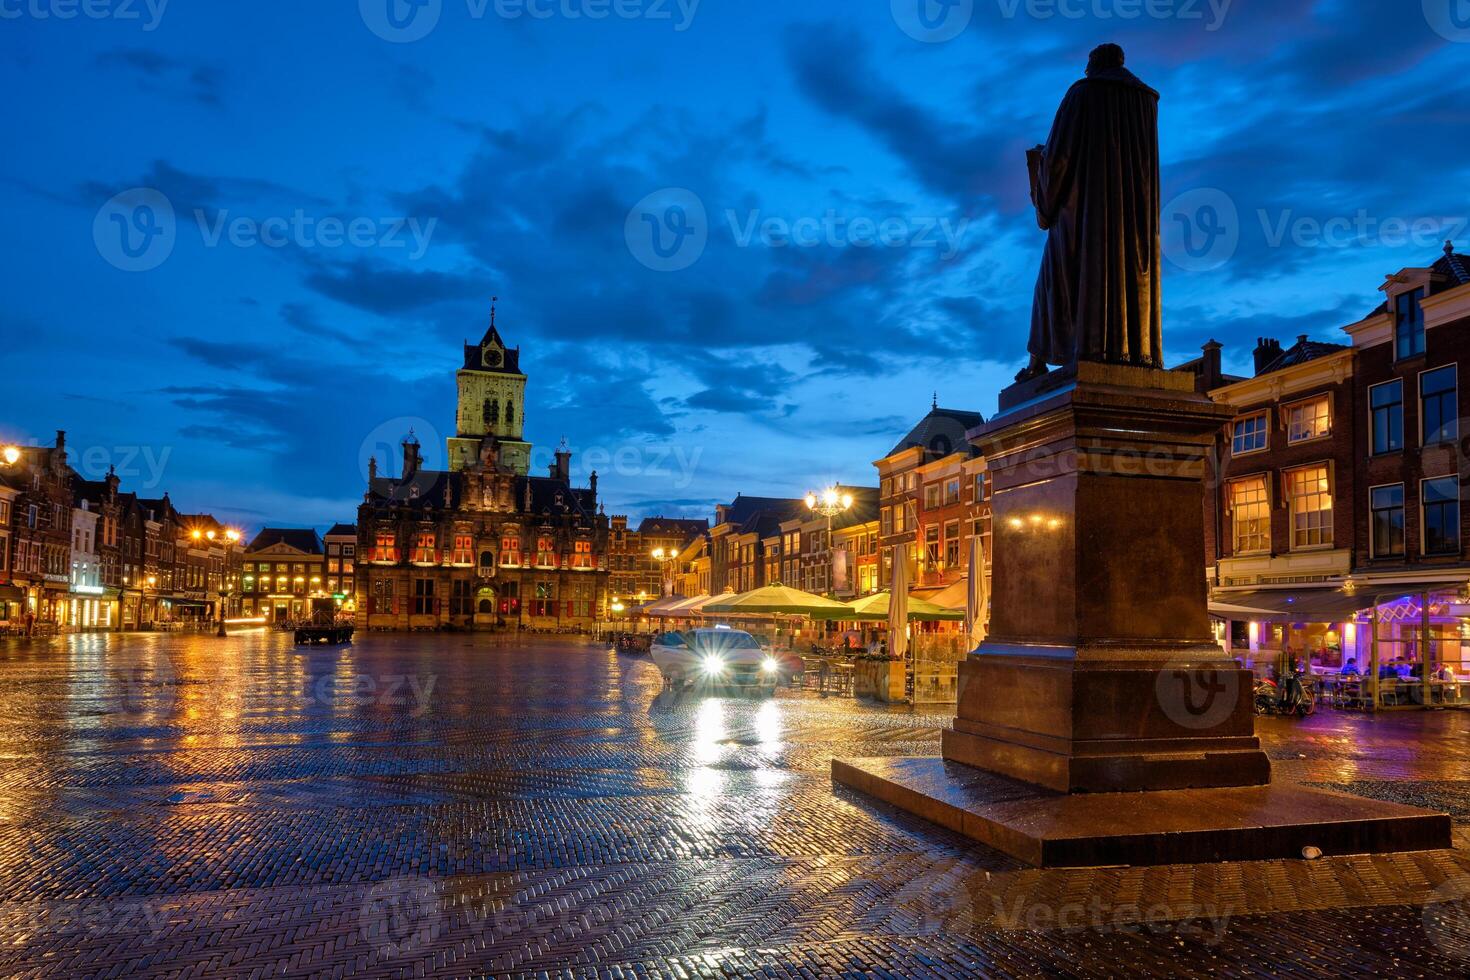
(90,608)
(1370,646)
(12,607)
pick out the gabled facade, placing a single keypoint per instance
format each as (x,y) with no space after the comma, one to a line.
(941,435)
(484,544)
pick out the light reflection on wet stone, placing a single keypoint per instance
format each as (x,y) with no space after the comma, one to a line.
(425,804)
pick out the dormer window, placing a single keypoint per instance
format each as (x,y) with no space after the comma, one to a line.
(1408,326)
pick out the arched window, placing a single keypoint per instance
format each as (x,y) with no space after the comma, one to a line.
(510,412)
(487,559)
(492,411)
(487,606)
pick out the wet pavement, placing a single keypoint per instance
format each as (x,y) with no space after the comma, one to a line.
(460,806)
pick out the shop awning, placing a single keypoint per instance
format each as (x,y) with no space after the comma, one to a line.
(1316,605)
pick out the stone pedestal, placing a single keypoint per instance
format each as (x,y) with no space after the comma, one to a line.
(1100,672)
(1100,722)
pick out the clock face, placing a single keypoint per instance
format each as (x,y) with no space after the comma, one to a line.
(492,357)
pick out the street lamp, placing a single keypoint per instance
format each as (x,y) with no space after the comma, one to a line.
(10,455)
(232,536)
(665,570)
(829,503)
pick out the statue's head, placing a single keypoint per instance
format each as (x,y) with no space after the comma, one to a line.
(1104,57)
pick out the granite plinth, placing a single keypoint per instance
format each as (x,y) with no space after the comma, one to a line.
(1049,829)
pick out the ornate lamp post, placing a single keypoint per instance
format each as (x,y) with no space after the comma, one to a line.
(226,580)
(665,557)
(829,503)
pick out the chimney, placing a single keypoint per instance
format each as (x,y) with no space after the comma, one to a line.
(563,468)
(1211,372)
(411,457)
(60,438)
(1267,350)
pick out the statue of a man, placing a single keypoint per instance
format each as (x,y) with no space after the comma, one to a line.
(1095,185)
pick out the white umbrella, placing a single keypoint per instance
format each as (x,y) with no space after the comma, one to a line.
(978,594)
(898,606)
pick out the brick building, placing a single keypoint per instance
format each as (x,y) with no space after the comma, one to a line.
(283,575)
(633,570)
(485,544)
(740,537)
(941,435)
(1337,530)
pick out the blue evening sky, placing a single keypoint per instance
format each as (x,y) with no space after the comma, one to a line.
(741,243)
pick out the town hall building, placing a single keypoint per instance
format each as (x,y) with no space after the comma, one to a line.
(483,544)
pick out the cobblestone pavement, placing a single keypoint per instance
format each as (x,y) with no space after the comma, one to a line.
(452,805)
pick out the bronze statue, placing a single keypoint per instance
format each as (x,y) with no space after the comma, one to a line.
(1095,185)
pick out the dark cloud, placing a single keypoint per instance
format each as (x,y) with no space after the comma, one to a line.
(379,287)
(156,73)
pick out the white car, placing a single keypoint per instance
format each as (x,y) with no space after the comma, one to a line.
(718,656)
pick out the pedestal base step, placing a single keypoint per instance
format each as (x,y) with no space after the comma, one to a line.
(1048,829)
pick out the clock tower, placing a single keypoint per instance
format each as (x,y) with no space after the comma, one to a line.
(492,404)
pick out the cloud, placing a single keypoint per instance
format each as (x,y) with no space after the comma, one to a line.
(159,74)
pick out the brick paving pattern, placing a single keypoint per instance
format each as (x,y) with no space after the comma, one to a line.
(468,806)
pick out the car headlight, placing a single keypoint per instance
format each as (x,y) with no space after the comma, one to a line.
(770,665)
(713,664)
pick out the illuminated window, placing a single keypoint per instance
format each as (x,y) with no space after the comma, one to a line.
(931,546)
(510,551)
(1248,434)
(1250,515)
(464,548)
(1311,507)
(582,555)
(423,551)
(952,544)
(931,495)
(386,548)
(545,552)
(1310,419)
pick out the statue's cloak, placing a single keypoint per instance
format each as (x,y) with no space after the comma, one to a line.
(1096,191)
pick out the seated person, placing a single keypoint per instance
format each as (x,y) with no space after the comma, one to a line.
(1350,667)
